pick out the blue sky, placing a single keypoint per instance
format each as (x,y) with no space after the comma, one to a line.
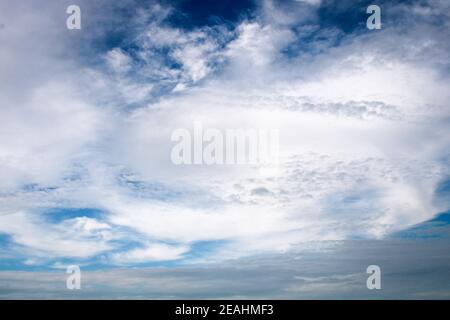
(86,118)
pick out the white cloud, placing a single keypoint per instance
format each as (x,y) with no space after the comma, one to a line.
(256,44)
(47,240)
(152,252)
(312,2)
(118,60)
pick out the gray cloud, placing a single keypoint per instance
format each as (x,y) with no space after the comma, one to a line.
(410,270)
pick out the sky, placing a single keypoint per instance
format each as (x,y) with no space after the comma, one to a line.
(363,177)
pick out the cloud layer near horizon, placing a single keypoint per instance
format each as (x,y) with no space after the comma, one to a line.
(410,270)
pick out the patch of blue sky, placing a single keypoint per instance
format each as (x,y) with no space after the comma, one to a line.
(191,14)
(436,228)
(443,218)
(443,189)
(348,16)
(311,43)
(351,16)
(203,249)
(57,215)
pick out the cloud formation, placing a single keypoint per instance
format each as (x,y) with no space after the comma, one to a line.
(363,119)
(410,270)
